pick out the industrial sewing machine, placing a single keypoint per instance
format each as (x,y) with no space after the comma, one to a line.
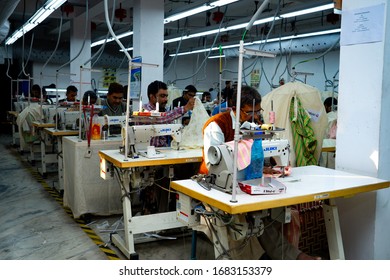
(113,122)
(220,174)
(223,226)
(139,137)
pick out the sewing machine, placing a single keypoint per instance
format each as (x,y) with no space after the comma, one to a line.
(139,137)
(221,162)
(50,112)
(111,122)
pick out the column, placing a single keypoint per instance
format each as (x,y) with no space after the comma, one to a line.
(362,138)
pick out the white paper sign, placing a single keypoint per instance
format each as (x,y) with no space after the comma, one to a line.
(361,26)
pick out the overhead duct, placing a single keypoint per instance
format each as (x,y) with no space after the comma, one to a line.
(316,44)
(7,8)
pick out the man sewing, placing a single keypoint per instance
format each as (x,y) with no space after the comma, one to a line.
(114,106)
(158,92)
(220,129)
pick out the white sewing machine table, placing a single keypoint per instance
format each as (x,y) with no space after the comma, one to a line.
(305,184)
(147,223)
(56,135)
(85,192)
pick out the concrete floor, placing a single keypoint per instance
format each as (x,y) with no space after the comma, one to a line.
(35,226)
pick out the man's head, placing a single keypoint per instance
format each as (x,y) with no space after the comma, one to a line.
(36,91)
(91,96)
(115,95)
(249,96)
(206,96)
(158,92)
(189,92)
(71,93)
(328,104)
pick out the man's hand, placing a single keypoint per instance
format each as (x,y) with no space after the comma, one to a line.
(190,105)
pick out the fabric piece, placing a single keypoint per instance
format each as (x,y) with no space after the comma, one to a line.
(25,121)
(244,152)
(192,136)
(280,99)
(305,142)
(292,230)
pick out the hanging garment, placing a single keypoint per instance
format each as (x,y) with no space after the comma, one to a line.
(310,98)
(305,142)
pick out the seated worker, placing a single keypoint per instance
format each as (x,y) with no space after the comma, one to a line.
(226,95)
(220,129)
(188,93)
(35,91)
(114,105)
(207,102)
(89,98)
(158,92)
(71,94)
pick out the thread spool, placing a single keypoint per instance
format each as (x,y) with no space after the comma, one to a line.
(272,113)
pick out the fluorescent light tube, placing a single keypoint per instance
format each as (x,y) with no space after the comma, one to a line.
(36,19)
(197,10)
(40,16)
(54,4)
(308,11)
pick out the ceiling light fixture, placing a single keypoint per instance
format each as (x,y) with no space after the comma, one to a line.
(203,8)
(257,22)
(47,9)
(175,17)
(101,42)
(308,11)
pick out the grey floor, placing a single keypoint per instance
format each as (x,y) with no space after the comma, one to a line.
(35,226)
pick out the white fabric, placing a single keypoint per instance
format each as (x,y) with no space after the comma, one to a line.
(311,100)
(24,121)
(173,93)
(213,135)
(84,190)
(192,137)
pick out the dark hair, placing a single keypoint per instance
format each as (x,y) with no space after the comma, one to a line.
(155,86)
(248,94)
(71,88)
(36,87)
(190,88)
(204,94)
(92,95)
(328,101)
(115,88)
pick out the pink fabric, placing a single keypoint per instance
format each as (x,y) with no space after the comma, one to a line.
(244,152)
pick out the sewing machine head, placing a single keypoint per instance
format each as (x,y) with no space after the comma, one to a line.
(278,149)
(70,119)
(139,136)
(221,162)
(50,112)
(112,122)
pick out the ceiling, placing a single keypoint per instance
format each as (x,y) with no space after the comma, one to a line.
(38,44)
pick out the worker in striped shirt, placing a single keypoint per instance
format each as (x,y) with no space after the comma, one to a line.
(158,92)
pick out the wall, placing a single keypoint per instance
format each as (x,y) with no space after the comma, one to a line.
(182,71)
(362,141)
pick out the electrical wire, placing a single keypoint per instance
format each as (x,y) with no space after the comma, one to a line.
(208,54)
(112,31)
(85,37)
(55,49)
(99,52)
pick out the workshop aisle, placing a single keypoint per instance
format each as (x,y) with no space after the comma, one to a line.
(34,226)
